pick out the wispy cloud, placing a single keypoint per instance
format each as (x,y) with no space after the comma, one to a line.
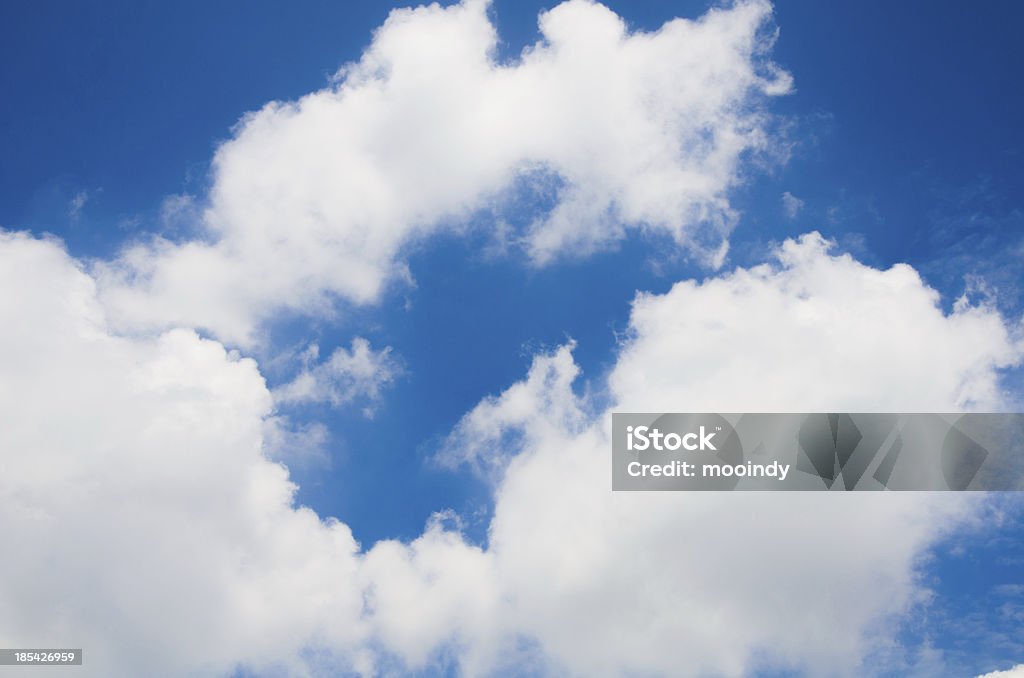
(348,375)
(76,204)
(791,205)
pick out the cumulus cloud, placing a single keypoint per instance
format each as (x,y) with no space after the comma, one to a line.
(485,429)
(151,518)
(723,584)
(358,373)
(1015,672)
(315,200)
(142,512)
(874,340)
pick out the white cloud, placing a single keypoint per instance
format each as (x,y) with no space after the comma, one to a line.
(359,373)
(861,339)
(480,433)
(295,444)
(151,519)
(714,584)
(316,199)
(1015,672)
(791,205)
(139,514)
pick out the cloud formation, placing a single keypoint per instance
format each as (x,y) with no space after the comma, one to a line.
(358,373)
(143,511)
(723,584)
(1015,672)
(316,200)
(151,518)
(862,339)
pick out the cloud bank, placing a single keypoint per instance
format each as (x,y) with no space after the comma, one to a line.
(722,584)
(1015,672)
(149,518)
(314,201)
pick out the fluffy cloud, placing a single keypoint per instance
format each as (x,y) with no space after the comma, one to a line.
(139,513)
(702,584)
(142,515)
(484,430)
(1015,672)
(314,200)
(854,338)
(359,373)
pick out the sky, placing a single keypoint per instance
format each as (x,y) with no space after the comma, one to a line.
(315,316)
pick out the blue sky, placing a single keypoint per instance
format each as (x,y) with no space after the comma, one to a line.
(900,140)
(904,121)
